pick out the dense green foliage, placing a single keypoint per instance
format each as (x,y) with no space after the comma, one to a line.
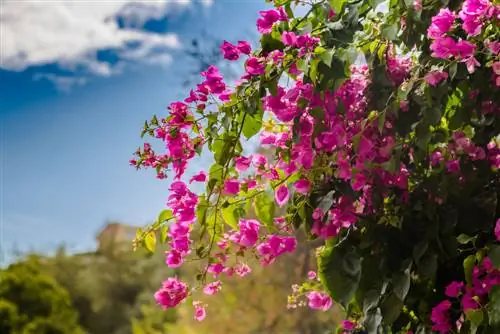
(33,302)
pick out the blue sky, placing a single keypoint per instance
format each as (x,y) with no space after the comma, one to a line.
(78,79)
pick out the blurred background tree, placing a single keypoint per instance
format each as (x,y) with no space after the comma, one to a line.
(31,301)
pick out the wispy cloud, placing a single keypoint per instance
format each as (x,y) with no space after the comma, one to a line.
(70,33)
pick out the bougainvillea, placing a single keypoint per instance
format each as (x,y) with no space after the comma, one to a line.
(382,122)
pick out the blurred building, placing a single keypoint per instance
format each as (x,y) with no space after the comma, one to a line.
(115,237)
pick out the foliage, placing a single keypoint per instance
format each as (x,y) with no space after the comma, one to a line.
(33,302)
(384,129)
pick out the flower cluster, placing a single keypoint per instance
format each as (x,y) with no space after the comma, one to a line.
(471,296)
(348,153)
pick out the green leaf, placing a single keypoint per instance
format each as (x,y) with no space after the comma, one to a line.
(313,68)
(372,320)
(390,31)
(337,6)
(419,250)
(469,263)
(391,308)
(165,215)
(401,284)
(150,242)
(264,207)
(465,239)
(201,210)
(215,172)
(163,233)
(494,255)
(476,318)
(494,306)
(339,270)
(252,125)
(453,70)
(326,57)
(231,215)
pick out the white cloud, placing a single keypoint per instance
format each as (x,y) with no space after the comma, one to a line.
(64,83)
(70,32)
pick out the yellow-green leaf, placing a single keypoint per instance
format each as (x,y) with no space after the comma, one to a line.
(150,242)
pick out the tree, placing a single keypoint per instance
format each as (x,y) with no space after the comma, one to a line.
(33,302)
(390,163)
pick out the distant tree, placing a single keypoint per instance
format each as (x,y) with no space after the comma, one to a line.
(109,288)
(33,302)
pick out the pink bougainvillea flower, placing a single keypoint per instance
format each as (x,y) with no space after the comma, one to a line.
(319,300)
(465,49)
(244,47)
(444,47)
(348,325)
(440,318)
(471,63)
(248,234)
(242,163)
(281,195)
(231,187)
(212,288)
(435,77)
(215,268)
(172,292)
(453,289)
(312,275)
(453,166)
(242,269)
(303,186)
(497,229)
(436,158)
(229,51)
(441,23)
(267,19)
(255,66)
(289,38)
(199,311)
(173,258)
(200,177)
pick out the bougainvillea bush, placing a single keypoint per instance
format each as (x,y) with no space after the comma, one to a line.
(382,122)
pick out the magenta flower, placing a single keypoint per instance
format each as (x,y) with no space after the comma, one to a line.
(173,258)
(289,38)
(436,158)
(255,66)
(444,47)
(281,195)
(441,23)
(453,289)
(453,166)
(268,18)
(229,51)
(200,177)
(319,301)
(172,292)
(242,163)
(231,187)
(199,311)
(497,230)
(348,325)
(465,49)
(312,275)
(212,288)
(303,186)
(439,317)
(242,269)
(249,232)
(244,47)
(433,78)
